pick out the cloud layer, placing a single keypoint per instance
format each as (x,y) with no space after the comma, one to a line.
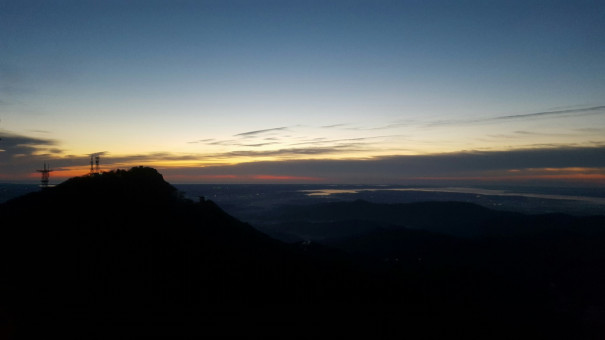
(401,169)
(345,153)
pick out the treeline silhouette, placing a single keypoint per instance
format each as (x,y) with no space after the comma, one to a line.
(122,254)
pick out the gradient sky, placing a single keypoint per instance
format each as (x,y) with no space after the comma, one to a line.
(305,91)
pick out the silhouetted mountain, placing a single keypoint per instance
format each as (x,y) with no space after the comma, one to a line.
(345,219)
(121,253)
(122,247)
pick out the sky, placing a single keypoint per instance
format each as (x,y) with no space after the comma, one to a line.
(364,92)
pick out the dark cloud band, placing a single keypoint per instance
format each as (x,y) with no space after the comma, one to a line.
(385,169)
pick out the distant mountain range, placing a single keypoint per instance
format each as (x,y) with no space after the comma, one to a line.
(319,222)
(122,254)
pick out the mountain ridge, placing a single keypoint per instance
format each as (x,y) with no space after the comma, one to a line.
(124,253)
(124,246)
(460,219)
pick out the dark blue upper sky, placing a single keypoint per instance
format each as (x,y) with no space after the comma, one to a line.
(324,79)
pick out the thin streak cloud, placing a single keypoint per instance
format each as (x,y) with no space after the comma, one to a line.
(336,141)
(333,126)
(589,110)
(554,114)
(259,144)
(289,151)
(595,110)
(256,132)
(202,141)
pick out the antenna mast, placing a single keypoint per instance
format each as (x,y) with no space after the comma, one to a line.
(45,176)
(95,167)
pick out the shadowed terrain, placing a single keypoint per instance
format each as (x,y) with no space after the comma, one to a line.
(122,254)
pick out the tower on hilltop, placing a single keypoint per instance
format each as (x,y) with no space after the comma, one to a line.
(94,164)
(45,176)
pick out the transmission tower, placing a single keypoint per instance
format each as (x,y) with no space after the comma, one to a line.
(95,168)
(45,176)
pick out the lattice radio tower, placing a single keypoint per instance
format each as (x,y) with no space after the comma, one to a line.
(45,176)
(94,164)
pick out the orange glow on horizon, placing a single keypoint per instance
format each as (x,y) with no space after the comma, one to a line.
(69,173)
(287,178)
(201,177)
(240,178)
(175,172)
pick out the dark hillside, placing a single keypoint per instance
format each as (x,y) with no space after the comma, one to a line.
(455,218)
(121,254)
(122,248)
(521,268)
(459,219)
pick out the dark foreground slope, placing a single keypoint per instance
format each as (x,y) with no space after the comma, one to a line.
(545,271)
(120,254)
(121,251)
